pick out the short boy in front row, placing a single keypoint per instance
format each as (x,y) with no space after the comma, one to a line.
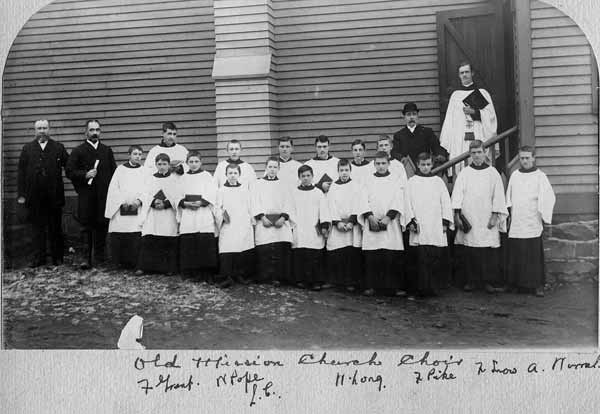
(530,200)
(382,211)
(432,210)
(344,256)
(479,216)
(271,208)
(123,209)
(309,231)
(158,250)
(236,230)
(197,239)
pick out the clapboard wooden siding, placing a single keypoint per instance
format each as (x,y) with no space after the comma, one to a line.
(132,65)
(566,127)
(345,68)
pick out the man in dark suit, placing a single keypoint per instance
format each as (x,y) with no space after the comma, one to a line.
(90,168)
(41,191)
(414,138)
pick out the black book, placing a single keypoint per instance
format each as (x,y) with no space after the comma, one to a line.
(324,179)
(160,196)
(128,210)
(476,100)
(193,197)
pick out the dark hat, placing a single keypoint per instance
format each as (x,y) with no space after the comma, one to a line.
(410,107)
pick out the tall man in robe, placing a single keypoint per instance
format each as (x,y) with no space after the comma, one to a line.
(464,123)
(288,166)
(247,173)
(40,189)
(530,200)
(415,139)
(479,216)
(90,168)
(168,145)
(324,165)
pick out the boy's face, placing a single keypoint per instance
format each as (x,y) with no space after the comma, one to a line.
(234,151)
(233,175)
(285,149)
(194,163)
(170,137)
(162,166)
(381,165)
(358,152)
(344,172)
(527,159)
(306,178)
(477,155)
(425,166)
(411,118)
(272,169)
(135,158)
(322,149)
(385,146)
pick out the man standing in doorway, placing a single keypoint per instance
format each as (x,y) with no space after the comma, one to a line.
(90,168)
(470,115)
(40,189)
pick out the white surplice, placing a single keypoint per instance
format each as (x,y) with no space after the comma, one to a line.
(126,186)
(382,194)
(247,176)
(271,197)
(237,235)
(160,222)
(309,210)
(177,154)
(288,173)
(321,167)
(531,198)
(452,136)
(397,170)
(478,193)
(344,202)
(430,204)
(360,173)
(201,220)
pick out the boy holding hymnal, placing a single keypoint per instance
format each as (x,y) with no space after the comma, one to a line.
(344,256)
(432,210)
(236,230)
(271,208)
(197,231)
(309,230)
(479,215)
(158,250)
(123,206)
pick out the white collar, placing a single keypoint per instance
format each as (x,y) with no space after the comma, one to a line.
(412,130)
(43,144)
(95,145)
(466,86)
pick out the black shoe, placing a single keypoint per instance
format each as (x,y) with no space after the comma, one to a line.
(85,265)
(57,262)
(224,284)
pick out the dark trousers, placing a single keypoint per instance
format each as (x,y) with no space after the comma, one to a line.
(94,241)
(47,226)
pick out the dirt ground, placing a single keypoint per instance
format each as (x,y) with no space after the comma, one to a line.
(64,308)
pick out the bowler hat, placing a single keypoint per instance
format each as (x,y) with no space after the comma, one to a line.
(410,107)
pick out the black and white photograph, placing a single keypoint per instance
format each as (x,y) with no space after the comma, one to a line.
(299,174)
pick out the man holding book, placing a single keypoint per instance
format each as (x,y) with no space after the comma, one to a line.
(470,115)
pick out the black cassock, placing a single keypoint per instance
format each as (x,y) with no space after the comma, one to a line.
(92,198)
(40,181)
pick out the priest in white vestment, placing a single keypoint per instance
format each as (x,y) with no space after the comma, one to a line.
(464,123)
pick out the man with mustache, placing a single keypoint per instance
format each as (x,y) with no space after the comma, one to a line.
(40,189)
(90,168)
